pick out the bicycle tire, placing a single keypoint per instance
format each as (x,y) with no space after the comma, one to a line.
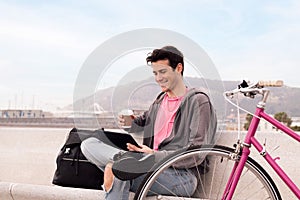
(255,182)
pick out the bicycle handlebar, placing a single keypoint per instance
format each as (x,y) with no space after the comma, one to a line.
(277,83)
(252,89)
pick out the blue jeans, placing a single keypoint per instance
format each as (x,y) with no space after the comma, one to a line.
(170,182)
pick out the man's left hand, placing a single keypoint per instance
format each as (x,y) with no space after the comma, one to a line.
(144,148)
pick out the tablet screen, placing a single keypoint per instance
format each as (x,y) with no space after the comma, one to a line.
(120,139)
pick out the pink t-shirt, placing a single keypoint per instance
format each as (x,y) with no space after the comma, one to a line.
(165,119)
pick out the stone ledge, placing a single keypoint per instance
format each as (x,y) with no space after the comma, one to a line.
(20,191)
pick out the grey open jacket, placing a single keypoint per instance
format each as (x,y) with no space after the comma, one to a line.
(194,124)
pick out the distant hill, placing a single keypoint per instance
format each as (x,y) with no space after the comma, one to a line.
(139,95)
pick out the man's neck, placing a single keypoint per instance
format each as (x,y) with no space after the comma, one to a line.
(179,91)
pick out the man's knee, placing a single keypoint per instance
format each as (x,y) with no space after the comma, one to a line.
(87,145)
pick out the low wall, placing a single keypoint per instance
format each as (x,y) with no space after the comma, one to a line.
(19,191)
(60,122)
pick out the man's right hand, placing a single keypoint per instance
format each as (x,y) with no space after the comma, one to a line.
(121,120)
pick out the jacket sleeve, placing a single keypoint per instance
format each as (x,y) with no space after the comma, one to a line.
(138,123)
(199,125)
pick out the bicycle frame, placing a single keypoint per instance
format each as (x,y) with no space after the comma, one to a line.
(251,140)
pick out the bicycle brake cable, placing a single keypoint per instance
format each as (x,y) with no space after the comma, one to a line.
(238,112)
(240,108)
(238,118)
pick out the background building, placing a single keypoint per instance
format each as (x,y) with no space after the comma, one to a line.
(20,113)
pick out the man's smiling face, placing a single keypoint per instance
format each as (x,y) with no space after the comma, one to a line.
(165,75)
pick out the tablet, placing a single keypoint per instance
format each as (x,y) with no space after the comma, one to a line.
(120,139)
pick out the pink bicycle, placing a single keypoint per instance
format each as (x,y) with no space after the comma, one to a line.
(228,173)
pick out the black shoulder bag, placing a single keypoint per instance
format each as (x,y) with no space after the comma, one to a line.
(73,169)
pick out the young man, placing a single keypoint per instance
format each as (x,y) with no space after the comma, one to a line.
(178,118)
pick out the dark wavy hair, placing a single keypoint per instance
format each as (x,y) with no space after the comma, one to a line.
(170,53)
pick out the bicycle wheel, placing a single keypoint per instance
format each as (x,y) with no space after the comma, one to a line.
(254,182)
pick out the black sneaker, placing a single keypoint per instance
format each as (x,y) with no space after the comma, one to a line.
(129,167)
(128,154)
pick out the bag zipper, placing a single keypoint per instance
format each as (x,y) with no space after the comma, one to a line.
(72,159)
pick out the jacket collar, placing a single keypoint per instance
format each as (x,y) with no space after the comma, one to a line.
(191,92)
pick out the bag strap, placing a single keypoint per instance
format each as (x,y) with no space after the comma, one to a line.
(76,136)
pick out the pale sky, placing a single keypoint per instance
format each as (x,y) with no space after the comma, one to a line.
(43,44)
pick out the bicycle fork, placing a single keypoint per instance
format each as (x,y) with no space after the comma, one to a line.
(240,163)
(236,171)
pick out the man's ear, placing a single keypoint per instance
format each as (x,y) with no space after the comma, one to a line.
(179,67)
